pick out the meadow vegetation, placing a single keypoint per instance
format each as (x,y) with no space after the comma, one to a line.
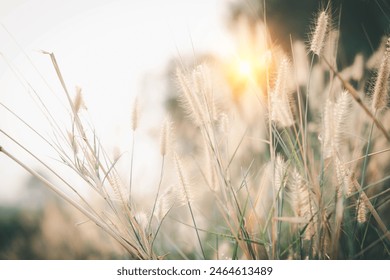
(275,155)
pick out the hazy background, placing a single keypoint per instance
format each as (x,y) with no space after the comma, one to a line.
(115,51)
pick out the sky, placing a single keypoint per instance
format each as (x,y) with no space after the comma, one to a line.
(114,50)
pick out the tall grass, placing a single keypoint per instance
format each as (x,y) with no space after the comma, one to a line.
(283,169)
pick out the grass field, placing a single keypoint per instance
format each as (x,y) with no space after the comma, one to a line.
(273,155)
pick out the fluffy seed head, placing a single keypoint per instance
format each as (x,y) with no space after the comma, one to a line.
(78,101)
(340,113)
(299,196)
(361,211)
(189,98)
(344,178)
(203,83)
(280,173)
(302,202)
(165,136)
(135,115)
(117,187)
(376,58)
(197,97)
(142,220)
(280,111)
(184,195)
(320,32)
(381,87)
(164,203)
(223,122)
(334,119)
(210,174)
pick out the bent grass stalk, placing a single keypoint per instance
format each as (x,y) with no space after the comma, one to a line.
(351,90)
(131,248)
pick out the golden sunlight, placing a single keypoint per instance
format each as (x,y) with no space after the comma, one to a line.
(244,68)
(248,70)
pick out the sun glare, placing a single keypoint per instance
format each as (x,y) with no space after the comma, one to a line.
(248,69)
(245,68)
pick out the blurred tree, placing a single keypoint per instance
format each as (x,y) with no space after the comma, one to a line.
(362,22)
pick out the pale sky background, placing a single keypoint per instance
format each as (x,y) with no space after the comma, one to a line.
(114,50)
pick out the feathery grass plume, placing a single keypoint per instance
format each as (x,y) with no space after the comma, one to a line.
(184,194)
(134,125)
(312,217)
(344,180)
(203,85)
(374,61)
(135,115)
(198,98)
(381,87)
(281,174)
(117,187)
(298,194)
(241,213)
(281,105)
(78,101)
(164,203)
(142,220)
(334,119)
(329,51)
(210,174)
(190,99)
(340,113)
(361,210)
(301,201)
(223,123)
(320,32)
(165,136)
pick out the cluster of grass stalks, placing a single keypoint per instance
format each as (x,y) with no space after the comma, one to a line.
(290,168)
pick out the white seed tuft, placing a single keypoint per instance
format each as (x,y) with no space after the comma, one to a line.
(361,210)
(280,173)
(184,195)
(334,119)
(381,88)
(280,111)
(197,97)
(165,137)
(344,179)
(164,203)
(142,220)
(189,99)
(223,123)
(78,101)
(301,202)
(320,32)
(135,115)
